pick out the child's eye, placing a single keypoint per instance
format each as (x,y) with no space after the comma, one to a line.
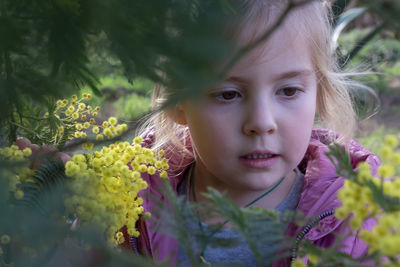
(289,92)
(226,96)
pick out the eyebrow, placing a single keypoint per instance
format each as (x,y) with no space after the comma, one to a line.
(294,74)
(281,76)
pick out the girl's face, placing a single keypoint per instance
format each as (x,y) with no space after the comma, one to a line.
(254,128)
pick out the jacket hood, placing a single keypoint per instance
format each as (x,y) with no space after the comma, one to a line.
(321,182)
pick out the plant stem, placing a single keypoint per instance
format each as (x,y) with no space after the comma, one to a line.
(27,129)
(33,118)
(360,45)
(244,50)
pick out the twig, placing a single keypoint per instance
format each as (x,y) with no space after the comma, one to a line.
(33,118)
(244,50)
(27,129)
(263,37)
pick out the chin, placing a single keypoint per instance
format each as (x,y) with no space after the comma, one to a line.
(257,186)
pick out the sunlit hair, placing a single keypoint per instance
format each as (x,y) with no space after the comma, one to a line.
(312,20)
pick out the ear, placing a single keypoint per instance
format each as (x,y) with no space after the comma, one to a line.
(177,114)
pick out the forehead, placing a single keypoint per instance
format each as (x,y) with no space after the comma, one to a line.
(289,35)
(285,48)
(254,19)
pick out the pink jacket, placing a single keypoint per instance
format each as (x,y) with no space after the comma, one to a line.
(318,198)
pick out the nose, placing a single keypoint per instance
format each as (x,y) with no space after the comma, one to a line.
(260,118)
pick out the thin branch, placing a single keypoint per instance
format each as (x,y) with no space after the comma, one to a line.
(33,118)
(360,45)
(26,129)
(291,5)
(20,117)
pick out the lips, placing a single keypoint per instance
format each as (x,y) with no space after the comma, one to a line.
(259,159)
(259,154)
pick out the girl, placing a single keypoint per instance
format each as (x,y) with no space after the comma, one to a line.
(253,134)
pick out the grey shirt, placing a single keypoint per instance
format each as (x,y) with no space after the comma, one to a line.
(240,254)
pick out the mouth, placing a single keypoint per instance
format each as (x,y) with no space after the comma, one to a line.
(259,159)
(258,156)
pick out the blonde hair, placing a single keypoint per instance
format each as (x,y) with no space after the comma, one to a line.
(334,104)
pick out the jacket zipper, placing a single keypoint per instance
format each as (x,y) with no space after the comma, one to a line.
(133,245)
(306,229)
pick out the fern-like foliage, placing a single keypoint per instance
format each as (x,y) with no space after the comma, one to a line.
(44,190)
(36,224)
(341,160)
(262,230)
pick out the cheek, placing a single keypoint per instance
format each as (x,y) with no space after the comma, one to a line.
(305,112)
(206,127)
(298,131)
(212,133)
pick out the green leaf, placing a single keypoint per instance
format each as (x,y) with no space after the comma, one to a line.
(341,160)
(386,202)
(338,8)
(344,20)
(45,192)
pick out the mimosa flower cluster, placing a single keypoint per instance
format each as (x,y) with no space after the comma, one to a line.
(378,197)
(77,119)
(106,184)
(20,173)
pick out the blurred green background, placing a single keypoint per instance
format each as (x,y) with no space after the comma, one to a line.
(379,60)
